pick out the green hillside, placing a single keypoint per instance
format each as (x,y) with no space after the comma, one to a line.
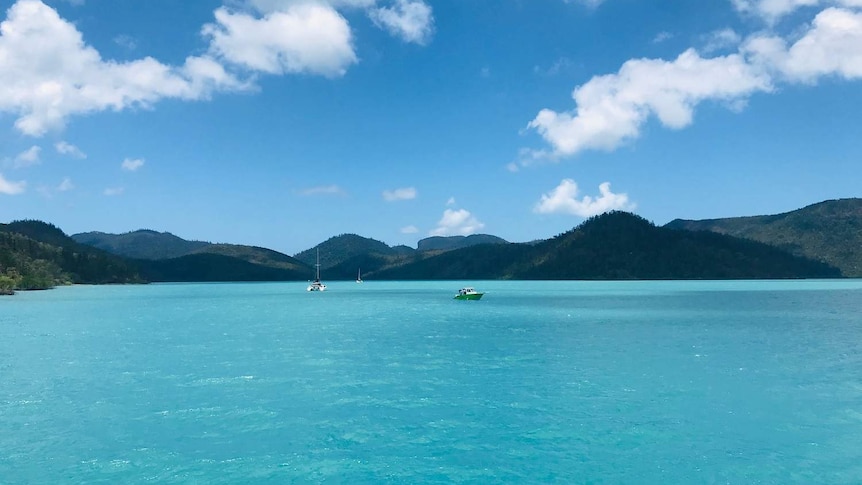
(38,255)
(336,250)
(256,255)
(448,243)
(205,267)
(830,231)
(614,246)
(141,244)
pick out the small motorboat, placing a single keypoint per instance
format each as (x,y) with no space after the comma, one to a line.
(468,293)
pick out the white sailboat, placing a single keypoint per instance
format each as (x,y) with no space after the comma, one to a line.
(317,285)
(359,275)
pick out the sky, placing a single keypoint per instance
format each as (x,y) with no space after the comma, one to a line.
(281,123)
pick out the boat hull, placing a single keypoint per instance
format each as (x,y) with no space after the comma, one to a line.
(471,296)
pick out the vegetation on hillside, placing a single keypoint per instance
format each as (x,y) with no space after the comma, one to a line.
(141,244)
(255,255)
(439,243)
(214,267)
(614,246)
(830,231)
(336,250)
(37,255)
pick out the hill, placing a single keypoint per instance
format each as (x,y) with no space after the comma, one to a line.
(337,250)
(38,255)
(215,267)
(617,245)
(830,231)
(440,243)
(256,255)
(141,244)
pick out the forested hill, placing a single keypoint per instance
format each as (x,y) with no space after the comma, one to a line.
(830,231)
(336,250)
(448,243)
(141,244)
(37,255)
(615,246)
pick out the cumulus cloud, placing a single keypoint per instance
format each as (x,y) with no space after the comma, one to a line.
(28,157)
(773,10)
(409,229)
(305,37)
(323,190)
(9,187)
(612,108)
(406,193)
(564,200)
(132,164)
(64,148)
(457,223)
(831,46)
(411,20)
(48,73)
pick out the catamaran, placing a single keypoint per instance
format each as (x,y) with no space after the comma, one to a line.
(317,285)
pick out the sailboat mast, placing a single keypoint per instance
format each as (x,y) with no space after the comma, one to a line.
(318,264)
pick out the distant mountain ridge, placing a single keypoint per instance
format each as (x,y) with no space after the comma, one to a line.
(38,255)
(829,231)
(448,243)
(141,244)
(614,246)
(819,241)
(337,250)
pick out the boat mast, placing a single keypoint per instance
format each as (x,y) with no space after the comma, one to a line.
(318,265)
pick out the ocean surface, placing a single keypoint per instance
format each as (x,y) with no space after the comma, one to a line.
(732,382)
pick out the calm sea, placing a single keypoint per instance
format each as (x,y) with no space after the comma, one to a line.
(738,382)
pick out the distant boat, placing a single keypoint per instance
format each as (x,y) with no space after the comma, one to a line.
(468,293)
(359,275)
(317,285)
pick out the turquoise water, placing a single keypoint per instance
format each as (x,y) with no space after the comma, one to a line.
(736,382)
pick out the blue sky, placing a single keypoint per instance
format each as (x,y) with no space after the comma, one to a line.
(280,123)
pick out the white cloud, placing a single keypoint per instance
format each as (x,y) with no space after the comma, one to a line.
(661,37)
(411,20)
(64,148)
(563,200)
(65,185)
(409,229)
(451,201)
(831,46)
(457,222)
(323,190)
(126,42)
(773,10)
(11,188)
(611,109)
(132,164)
(48,73)
(406,193)
(305,37)
(28,157)
(113,191)
(722,39)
